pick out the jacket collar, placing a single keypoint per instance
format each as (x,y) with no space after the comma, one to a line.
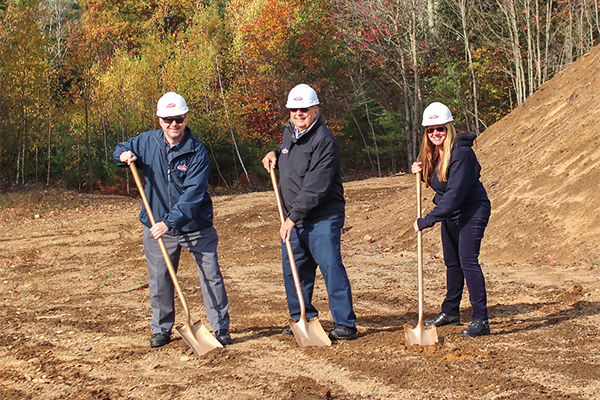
(185,144)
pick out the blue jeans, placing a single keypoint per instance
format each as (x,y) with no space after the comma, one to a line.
(461,241)
(319,244)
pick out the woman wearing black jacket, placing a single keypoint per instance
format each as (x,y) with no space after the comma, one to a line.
(450,167)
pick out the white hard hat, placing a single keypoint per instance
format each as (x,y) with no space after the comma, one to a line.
(436,114)
(171,104)
(302,96)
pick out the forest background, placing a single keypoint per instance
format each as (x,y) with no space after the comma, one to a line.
(77,77)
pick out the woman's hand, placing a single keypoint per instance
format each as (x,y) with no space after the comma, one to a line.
(416,227)
(416,167)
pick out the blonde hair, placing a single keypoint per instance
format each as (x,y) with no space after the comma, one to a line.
(429,155)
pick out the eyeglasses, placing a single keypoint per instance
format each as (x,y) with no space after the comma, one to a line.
(300,109)
(439,129)
(169,120)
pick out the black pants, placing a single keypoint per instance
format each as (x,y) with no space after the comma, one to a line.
(461,241)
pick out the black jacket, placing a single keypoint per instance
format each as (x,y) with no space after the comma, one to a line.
(310,174)
(463,194)
(176,191)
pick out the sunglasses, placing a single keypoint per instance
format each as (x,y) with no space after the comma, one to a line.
(170,120)
(439,129)
(300,109)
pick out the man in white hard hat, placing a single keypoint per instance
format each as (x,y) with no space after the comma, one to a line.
(176,168)
(313,200)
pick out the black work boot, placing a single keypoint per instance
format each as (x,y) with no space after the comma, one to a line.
(223,337)
(342,332)
(478,327)
(443,319)
(287,331)
(159,340)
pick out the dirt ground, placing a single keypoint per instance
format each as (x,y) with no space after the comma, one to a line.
(75,310)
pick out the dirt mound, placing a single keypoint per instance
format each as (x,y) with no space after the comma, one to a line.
(541,167)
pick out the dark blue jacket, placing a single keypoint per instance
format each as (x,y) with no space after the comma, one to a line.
(310,174)
(176,190)
(463,194)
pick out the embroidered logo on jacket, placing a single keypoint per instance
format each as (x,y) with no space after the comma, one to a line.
(182,168)
(284,151)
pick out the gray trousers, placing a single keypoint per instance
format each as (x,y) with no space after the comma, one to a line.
(203,247)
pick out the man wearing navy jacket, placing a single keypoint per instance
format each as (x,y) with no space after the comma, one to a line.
(176,168)
(313,200)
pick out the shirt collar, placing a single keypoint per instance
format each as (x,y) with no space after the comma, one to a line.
(299,134)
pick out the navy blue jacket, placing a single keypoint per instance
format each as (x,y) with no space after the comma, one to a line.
(310,174)
(463,194)
(176,190)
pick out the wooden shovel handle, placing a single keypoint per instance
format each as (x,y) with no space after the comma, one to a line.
(420,250)
(161,243)
(290,252)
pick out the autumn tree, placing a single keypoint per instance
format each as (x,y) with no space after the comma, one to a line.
(24,68)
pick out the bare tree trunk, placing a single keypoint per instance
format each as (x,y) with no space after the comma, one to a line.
(417,100)
(546,51)
(18,164)
(122,122)
(212,153)
(597,16)
(463,8)
(362,136)
(104,142)
(568,45)
(359,90)
(87,144)
(412,139)
(530,51)
(508,9)
(229,122)
(49,147)
(538,51)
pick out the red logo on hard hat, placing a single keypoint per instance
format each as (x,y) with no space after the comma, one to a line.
(298,98)
(434,116)
(182,168)
(171,105)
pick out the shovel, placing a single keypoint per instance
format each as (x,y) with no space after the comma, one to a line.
(425,336)
(307,333)
(196,336)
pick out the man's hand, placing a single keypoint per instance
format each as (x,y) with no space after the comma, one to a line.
(127,157)
(286,229)
(158,230)
(269,161)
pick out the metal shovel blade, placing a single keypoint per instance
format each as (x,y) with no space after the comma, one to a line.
(421,335)
(198,338)
(309,333)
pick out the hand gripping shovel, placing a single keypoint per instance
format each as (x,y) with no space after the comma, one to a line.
(196,336)
(307,333)
(420,334)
